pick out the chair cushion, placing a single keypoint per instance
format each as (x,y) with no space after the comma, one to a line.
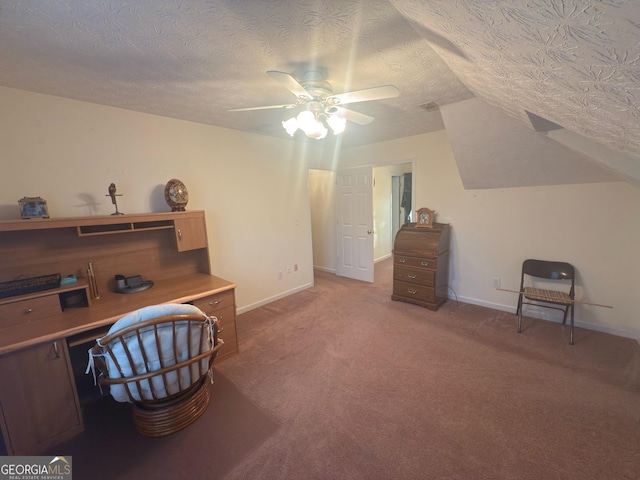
(551,296)
(175,383)
(155,311)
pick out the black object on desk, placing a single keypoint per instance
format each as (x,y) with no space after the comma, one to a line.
(29,285)
(132,284)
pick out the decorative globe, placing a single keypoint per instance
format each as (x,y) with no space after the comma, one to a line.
(176,195)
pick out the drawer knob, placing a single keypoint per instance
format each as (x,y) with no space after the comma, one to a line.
(401,260)
(412,275)
(412,291)
(29,310)
(425,264)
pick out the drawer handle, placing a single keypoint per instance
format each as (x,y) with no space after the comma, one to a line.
(55,349)
(412,275)
(179,234)
(412,291)
(424,264)
(220,330)
(401,260)
(215,302)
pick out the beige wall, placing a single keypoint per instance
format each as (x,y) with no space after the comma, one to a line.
(323,218)
(256,195)
(253,188)
(596,227)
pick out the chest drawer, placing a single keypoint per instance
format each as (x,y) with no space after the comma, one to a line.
(420,262)
(27,311)
(419,276)
(414,291)
(213,303)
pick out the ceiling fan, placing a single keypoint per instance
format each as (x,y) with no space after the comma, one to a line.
(319,102)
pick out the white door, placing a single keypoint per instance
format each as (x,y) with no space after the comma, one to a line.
(354,213)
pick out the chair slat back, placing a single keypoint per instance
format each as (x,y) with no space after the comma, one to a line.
(155,360)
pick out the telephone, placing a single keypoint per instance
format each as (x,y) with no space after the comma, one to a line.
(131,284)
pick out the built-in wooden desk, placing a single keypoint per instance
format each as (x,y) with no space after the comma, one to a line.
(105,311)
(39,404)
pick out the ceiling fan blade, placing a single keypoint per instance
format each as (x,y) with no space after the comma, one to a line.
(375,93)
(266,107)
(355,117)
(290,84)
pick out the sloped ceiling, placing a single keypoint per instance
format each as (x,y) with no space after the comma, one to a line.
(572,62)
(519,157)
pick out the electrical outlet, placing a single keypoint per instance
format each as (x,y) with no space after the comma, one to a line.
(288,268)
(280,275)
(295,267)
(496,282)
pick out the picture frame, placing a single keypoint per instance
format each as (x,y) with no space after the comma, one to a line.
(425,218)
(33,207)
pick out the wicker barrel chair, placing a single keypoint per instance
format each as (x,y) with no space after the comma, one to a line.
(159,359)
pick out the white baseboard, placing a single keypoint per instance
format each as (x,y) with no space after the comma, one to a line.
(333,270)
(324,269)
(546,314)
(262,302)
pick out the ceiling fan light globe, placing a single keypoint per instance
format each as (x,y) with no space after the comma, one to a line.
(291,126)
(306,120)
(319,133)
(315,129)
(323,131)
(337,123)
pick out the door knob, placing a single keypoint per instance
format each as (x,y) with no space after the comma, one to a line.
(369,232)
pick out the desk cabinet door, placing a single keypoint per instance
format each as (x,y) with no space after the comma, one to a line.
(191,233)
(38,398)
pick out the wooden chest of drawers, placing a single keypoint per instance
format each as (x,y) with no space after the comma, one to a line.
(421,265)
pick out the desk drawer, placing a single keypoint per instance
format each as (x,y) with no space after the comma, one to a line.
(27,311)
(227,324)
(222,305)
(211,304)
(418,276)
(421,262)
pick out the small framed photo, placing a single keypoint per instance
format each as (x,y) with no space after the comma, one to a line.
(33,207)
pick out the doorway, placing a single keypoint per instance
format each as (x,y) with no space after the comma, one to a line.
(401,201)
(393,197)
(388,213)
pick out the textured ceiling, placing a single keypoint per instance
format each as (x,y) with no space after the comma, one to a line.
(573,62)
(194,59)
